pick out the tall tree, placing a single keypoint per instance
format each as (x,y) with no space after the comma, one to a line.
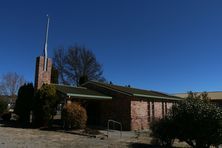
(3,106)
(54,75)
(77,65)
(10,83)
(24,103)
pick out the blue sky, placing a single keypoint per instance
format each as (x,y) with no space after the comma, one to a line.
(170,46)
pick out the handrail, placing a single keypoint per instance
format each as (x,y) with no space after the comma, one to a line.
(115,122)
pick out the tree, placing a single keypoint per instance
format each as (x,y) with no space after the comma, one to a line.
(3,106)
(83,79)
(24,103)
(10,83)
(45,103)
(77,65)
(54,75)
(197,121)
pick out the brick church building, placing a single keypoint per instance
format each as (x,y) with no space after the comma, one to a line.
(133,107)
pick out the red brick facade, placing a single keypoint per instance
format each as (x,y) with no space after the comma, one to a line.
(143,111)
(139,115)
(42,76)
(135,113)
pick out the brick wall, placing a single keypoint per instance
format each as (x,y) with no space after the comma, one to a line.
(42,76)
(105,112)
(169,105)
(144,111)
(158,112)
(139,115)
(119,110)
(133,113)
(115,109)
(161,109)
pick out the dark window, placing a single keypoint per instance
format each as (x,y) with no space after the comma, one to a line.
(163,113)
(153,110)
(148,106)
(165,107)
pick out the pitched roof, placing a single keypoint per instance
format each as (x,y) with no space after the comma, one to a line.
(80,92)
(134,91)
(215,95)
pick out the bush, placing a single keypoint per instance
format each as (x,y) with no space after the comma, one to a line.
(198,122)
(6,116)
(74,116)
(194,120)
(45,103)
(163,131)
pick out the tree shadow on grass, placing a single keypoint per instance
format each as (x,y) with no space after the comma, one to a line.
(143,145)
(15,124)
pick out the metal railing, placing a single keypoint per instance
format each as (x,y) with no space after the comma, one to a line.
(114,122)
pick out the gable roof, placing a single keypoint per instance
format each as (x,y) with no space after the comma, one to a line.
(133,91)
(80,92)
(214,95)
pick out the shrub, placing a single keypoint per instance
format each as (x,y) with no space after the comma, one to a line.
(198,122)
(74,116)
(6,116)
(194,120)
(45,103)
(163,130)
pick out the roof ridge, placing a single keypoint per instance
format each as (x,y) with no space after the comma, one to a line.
(199,92)
(65,85)
(134,88)
(110,85)
(120,85)
(107,85)
(163,93)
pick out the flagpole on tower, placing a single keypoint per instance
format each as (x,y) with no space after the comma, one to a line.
(46,44)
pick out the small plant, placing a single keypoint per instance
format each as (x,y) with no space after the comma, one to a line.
(74,116)
(91,131)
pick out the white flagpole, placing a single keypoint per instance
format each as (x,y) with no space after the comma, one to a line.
(46,44)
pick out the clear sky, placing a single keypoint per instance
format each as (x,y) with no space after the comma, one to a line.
(164,45)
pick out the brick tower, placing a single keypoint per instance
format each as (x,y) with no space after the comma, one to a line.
(42,76)
(43,65)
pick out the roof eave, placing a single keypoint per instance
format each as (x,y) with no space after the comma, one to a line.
(89,96)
